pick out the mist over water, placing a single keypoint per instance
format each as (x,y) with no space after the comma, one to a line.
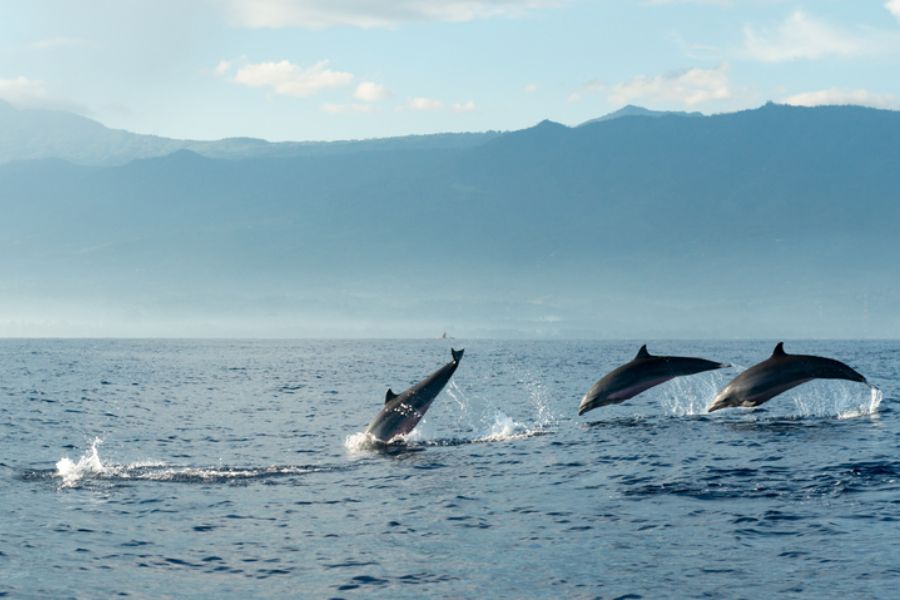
(239,468)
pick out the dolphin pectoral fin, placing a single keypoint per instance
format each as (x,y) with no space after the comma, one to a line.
(457,354)
(779,350)
(390,395)
(642,353)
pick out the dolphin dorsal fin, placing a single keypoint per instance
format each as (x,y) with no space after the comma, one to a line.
(779,350)
(642,353)
(390,395)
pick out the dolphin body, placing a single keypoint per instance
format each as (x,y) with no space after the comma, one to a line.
(779,373)
(642,373)
(402,412)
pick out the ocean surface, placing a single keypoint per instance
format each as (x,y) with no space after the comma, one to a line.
(236,469)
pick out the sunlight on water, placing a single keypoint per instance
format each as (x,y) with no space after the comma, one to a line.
(246,463)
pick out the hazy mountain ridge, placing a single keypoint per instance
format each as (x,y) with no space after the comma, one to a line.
(631,110)
(777,221)
(30,134)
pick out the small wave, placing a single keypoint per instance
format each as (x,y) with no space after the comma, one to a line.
(744,482)
(90,467)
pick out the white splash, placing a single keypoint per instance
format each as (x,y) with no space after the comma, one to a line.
(361,441)
(689,396)
(88,465)
(864,409)
(841,399)
(505,428)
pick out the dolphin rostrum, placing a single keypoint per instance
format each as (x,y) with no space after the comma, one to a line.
(642,373)
(779,373)
(402,412)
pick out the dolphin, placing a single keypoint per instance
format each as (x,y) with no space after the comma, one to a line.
(779,373)
(402,412)
(642,373)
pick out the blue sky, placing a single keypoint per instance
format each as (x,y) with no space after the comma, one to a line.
(342,69)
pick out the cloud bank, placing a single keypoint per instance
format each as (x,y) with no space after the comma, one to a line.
(684,88)
(288,79)
(802,37)
(835,96)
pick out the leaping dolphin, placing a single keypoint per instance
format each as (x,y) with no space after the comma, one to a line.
(402,412)
(779,373)
(642,373)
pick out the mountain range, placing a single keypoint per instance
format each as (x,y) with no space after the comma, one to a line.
(30,134)
(775,222)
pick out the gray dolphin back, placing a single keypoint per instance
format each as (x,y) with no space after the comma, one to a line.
(778,374)
(402,412)
(643,372)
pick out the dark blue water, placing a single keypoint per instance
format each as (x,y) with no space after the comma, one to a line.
(231,469)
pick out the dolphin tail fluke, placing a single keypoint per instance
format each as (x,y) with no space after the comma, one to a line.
(457,354)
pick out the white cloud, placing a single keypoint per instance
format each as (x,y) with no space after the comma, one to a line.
(62,42)
(23,92)
(801,36)
(461,107)
(894,7)
(835,96)
(290,80)
(530,88)
(685,88)
(420,103)
(223,67)
(319,14)
(369,91)
(344,109)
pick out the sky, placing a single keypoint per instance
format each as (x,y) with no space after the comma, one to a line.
(352,69)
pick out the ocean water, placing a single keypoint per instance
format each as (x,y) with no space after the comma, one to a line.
(220,469)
